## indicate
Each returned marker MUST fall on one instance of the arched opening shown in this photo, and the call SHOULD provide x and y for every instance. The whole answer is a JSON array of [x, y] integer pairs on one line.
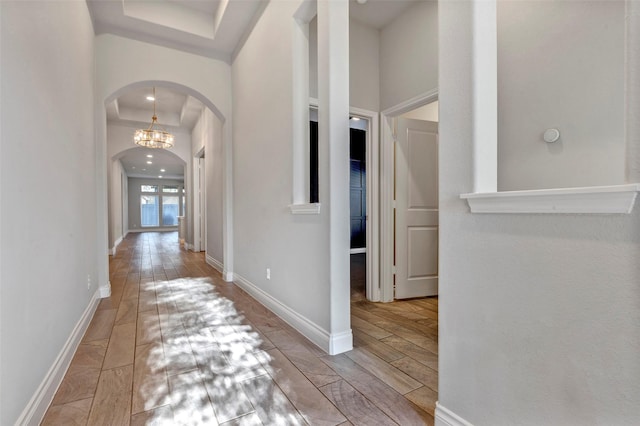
[[133, 210], [206, 132]]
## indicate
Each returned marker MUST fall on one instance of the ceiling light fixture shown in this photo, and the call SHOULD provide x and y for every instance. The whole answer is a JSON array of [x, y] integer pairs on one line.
[[162, 170], [149, 156], [151, 98], [149, 162], [153, 138]]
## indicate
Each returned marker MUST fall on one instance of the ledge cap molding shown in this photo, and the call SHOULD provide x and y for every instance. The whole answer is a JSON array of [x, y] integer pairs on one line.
[[615, 199], [312, 208]]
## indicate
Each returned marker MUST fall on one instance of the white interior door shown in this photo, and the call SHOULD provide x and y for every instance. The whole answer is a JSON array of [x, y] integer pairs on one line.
[[416, 190]]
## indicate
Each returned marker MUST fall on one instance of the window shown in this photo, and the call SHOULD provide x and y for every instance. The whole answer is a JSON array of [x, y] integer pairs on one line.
[[149, 213], [161, 201], [170, 211]]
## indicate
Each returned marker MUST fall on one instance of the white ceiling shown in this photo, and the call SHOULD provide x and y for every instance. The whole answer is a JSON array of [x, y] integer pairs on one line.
[[175, 111], [135, 164], [212, 28]]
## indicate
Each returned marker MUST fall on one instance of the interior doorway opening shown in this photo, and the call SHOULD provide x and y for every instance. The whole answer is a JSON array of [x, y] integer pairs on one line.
[[199, 203], [358, 134], [175, 181], [416, 206], [409, 164], [364, 188]]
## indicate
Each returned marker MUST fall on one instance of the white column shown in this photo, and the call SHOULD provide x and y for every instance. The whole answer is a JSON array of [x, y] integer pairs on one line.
[[485, 96], [227, 201], [333, 115], [102, 222], [632, 90], [300, 119]]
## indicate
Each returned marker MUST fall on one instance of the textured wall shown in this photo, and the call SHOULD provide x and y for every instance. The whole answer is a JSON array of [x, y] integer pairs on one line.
[[539, 314], [409, 54], [560, 65], [48, 190], [267, 235]]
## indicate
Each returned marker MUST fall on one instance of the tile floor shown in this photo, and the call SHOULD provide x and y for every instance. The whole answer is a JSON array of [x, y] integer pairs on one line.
[[174, 344]]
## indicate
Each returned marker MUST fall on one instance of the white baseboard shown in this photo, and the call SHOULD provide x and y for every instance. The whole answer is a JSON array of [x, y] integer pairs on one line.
[[105, 291], [115, 246], [340, 342], [228, 276], [37, 407], [358, 250], [446, 417], [214, 263], [332, 344]]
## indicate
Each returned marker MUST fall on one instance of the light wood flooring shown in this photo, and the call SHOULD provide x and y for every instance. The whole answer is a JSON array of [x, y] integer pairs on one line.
[[174, 344]]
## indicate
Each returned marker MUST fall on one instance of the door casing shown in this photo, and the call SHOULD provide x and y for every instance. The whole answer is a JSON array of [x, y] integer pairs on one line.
[[387, 196]]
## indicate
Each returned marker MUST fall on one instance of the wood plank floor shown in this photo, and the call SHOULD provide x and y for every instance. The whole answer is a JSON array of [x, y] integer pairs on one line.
[[174, 344]]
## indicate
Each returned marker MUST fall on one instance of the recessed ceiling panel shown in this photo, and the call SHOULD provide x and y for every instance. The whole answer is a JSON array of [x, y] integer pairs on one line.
[[135, 163]]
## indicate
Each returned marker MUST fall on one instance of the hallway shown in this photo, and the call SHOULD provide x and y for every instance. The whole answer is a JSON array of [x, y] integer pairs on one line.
[[174, 344]]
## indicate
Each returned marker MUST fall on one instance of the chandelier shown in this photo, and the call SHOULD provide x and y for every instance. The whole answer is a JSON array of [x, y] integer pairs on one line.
[[153, 137]]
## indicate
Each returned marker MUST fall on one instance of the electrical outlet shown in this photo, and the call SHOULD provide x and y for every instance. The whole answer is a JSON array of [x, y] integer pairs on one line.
[[268, 273], [88, 282]]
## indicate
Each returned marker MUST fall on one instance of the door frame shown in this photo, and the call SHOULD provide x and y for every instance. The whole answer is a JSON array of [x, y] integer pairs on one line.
[[198, 196], [373, 189], [372, 221], [387, 188]]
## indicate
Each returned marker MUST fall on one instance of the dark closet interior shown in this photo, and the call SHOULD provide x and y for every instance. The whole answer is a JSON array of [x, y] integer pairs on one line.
[[357, 185]]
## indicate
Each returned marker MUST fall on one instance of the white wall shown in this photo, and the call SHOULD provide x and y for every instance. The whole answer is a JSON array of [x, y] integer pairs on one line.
[[560, 65], [48, 189], [296, 248], [207, 134], [409, 54], [214, 186], [313, 57], [364, 58], [118, 222], [539, 318]]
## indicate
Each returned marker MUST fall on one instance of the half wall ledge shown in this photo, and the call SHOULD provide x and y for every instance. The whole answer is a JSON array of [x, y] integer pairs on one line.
[[311, 208], [615, 199]]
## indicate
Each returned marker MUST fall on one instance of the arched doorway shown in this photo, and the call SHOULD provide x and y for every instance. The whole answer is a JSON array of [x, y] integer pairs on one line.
[[107, 155], [128, 172]]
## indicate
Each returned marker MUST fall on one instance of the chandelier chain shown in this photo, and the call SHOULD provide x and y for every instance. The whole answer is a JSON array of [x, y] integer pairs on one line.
[[153, 138]]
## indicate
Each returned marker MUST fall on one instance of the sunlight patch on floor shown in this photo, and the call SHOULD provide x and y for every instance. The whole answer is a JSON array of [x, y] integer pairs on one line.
[[211, 357]]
